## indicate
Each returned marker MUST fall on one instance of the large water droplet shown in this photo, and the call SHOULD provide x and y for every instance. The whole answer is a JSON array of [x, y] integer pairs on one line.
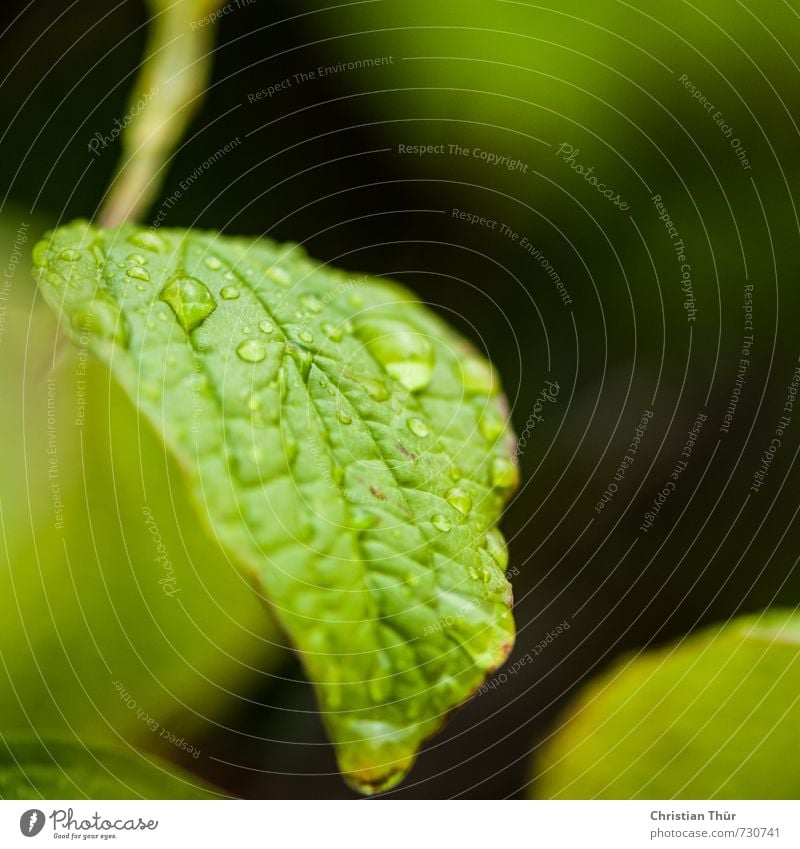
[[278, 274], [441, 523], [504, 474], [491, 425], [344, 417], [460, 499], [138, 273], [137, 259], [331, 331], [418, 427], [148, 241], [251, 351], [406, 355], [229, 293], [266, 326], [478, 376], [190, 300], [495, 545]]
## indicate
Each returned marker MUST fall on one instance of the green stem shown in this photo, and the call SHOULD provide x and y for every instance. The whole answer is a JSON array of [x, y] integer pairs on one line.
[[168, 92]]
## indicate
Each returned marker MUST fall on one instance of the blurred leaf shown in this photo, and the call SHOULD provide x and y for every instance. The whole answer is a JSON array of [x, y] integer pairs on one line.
[[345, 445], [714, 716], [32, 768], [110, 595]]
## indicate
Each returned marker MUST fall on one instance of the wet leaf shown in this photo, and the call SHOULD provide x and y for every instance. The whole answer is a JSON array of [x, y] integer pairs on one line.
[[332, 432]]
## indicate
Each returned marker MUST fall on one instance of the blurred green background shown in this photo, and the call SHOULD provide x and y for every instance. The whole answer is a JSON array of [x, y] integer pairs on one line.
[[652, 97]]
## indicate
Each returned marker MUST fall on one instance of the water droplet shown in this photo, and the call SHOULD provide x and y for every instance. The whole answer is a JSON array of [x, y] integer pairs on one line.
[[213, 263], [137, 259], [229, 275], [455, 473], [406, 355], [331, 331], [305, 336], [460, 499], [495, 545], [229, 293], [147, 241], [491, 426], [486, 575], [504, 473], [70, 255], [375, 389], [418, 427], [279, 275], [251, 351], [473, 573], [344, 417], [311, 303], [477, 376], [189, 299], [266, 326], [139, 273], [441, 523]]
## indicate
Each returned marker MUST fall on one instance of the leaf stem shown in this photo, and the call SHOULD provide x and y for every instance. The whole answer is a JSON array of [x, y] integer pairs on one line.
[[168, 92]]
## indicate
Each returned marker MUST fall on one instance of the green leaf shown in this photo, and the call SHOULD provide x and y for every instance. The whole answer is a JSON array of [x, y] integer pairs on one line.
[[34, 768], [714, 716], [347, 448]]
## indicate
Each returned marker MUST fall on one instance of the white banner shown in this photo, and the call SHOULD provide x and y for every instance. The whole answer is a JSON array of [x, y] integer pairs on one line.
[[402, 824]]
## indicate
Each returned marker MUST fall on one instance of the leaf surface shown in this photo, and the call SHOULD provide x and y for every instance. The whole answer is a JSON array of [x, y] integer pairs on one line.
[[347, 447], [715, 716]]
